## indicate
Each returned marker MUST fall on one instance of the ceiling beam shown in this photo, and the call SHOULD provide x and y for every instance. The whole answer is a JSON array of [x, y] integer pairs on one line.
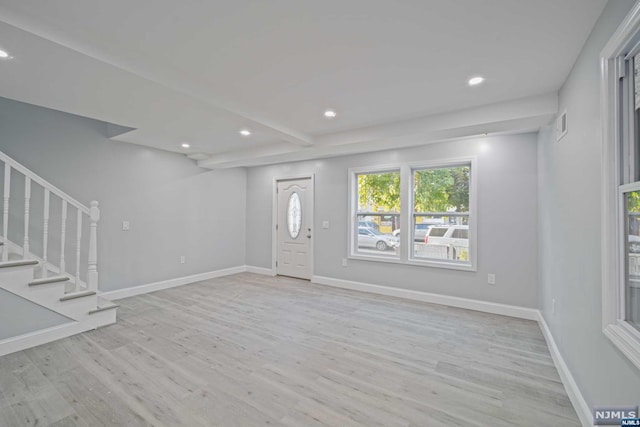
[[522, 115]]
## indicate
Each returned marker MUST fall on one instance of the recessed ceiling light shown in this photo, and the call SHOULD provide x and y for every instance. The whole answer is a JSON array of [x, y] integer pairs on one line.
[[245, 132], [185, 145], [474, 81], [330, 114], [4, 54]]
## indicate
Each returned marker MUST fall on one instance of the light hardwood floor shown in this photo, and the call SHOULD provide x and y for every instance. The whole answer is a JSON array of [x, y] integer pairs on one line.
[[249, 350]]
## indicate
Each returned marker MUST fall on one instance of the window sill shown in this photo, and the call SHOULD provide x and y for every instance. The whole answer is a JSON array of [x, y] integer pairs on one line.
[[450, 265], [381, 258], [626, 339], [415, 262]]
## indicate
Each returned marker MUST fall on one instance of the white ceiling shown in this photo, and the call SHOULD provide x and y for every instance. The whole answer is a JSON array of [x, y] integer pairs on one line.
[[198, 71]]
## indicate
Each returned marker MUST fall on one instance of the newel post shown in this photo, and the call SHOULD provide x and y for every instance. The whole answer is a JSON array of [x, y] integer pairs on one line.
[[92, 273]]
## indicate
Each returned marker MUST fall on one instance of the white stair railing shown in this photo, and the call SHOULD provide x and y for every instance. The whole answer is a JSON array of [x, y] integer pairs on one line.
[[67, 202]]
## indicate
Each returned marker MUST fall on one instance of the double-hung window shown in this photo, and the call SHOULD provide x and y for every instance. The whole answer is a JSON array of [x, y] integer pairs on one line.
[[421, 214], [376, 220], [620, 65], [440, 218]]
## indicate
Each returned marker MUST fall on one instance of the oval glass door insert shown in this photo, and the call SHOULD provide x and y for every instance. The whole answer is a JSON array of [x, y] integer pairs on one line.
[[294, 215]]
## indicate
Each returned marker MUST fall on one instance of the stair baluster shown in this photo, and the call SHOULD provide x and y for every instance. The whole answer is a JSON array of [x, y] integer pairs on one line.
[[78, 241], [63, 237], [45, 235], [5, 216], [92, 272], [27, 203]]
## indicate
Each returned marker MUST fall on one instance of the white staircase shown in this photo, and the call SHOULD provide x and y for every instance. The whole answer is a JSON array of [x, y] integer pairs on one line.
[[53, 267]]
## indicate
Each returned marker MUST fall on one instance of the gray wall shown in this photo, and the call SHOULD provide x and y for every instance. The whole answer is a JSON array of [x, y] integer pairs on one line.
[[19, 316], [175, 208], [507, 218], [570, 223]]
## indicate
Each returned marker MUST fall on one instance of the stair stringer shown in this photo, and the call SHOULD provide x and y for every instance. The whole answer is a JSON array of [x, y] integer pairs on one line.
[[85, 313], [16, 279]]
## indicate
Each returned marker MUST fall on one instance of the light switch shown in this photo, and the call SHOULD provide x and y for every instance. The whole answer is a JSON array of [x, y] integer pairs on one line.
[[126, 226], [325, 224]]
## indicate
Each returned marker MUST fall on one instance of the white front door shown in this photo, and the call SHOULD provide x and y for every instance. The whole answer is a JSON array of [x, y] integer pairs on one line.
[[293, 228]]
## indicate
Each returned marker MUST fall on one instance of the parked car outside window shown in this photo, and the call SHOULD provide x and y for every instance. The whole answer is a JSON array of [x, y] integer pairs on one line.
[[419, 232], [456, 237], [370, 238], [448, 235]]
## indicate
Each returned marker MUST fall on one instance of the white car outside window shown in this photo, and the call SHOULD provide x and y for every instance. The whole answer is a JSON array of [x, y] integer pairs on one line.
[[370, 238], [456, 235]]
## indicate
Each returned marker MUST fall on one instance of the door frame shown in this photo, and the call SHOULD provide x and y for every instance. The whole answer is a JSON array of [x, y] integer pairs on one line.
[[274, 218]]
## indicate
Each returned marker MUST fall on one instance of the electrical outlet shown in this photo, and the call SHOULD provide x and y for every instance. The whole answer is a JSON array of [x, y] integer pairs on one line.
[[126, 226], [553, 306], [491, 279], [344, 262], [325, 224], [183, 259]]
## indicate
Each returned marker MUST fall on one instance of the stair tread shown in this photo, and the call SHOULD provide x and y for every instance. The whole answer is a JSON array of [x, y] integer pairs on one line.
[[18, 263], [104, 306], [75, 295], [51, 279]]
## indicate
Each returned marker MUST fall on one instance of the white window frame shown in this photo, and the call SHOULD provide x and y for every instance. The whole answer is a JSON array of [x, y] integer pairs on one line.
[[624, 336], [406, 213], [473, 235], [353, 211]]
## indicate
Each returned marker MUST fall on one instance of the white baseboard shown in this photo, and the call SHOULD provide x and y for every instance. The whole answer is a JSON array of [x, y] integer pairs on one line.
[[470, 304], [570, 385], [44, 336], [260, 270], [171, 283]]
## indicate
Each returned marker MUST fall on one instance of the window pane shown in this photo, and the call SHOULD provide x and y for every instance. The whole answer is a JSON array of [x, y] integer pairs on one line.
[[378, 214], [461, 233], [438, 232], [634, 137], [441, 201], [633, 258], [294, 216]]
